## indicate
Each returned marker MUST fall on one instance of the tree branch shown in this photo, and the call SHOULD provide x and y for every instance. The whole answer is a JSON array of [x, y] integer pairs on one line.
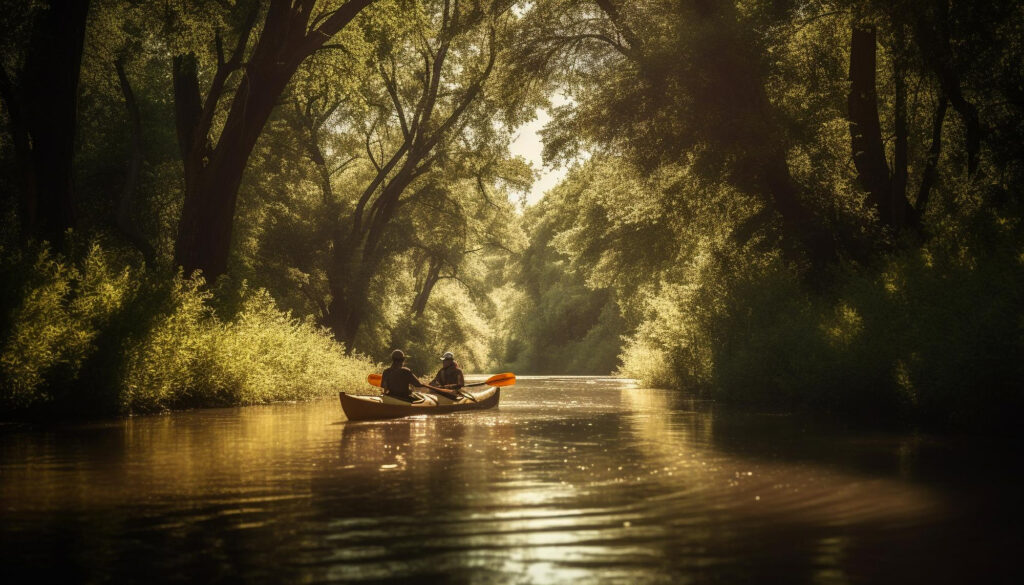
[[332, 22], [931, 166], [124, 206], [391, 84], [609, 8], [224, 70], [564, 40], [369, 148]]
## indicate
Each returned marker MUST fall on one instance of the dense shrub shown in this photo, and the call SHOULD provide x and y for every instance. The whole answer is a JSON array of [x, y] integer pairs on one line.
[[52, 332], [97, 334], [934, 335]]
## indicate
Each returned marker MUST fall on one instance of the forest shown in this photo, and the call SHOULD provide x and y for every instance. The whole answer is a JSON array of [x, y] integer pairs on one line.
[[782, 205]]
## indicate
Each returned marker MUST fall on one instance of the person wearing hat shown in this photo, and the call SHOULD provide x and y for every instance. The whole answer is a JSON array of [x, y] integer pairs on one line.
[[450, 375], [398, 379]]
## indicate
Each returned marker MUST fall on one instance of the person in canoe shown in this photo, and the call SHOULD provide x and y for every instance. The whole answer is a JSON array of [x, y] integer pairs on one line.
[[398, 380], [450, 375]]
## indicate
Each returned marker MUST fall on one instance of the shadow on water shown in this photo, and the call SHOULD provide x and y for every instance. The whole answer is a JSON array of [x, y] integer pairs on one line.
[[845, 506], [570, 480]]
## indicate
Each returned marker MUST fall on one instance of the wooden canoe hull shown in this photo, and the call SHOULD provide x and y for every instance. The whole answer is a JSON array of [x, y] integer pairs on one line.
[[379, 408]]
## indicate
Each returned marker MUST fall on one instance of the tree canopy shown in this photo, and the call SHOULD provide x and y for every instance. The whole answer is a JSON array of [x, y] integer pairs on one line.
[[786, 203]]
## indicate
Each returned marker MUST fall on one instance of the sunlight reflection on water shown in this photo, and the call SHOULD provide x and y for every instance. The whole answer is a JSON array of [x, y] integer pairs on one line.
[[570, 480]]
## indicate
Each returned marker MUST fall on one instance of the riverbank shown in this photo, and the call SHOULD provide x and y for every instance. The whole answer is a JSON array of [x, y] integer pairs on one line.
[[97, 334], [930, 338]]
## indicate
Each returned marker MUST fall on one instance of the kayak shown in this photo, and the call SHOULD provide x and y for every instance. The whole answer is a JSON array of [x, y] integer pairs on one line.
[[384, 407]]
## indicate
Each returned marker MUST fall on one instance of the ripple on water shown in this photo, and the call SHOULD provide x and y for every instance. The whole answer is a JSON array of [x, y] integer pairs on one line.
[[577, 480]]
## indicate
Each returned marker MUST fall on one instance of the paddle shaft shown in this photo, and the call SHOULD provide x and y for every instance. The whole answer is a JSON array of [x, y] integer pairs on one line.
[[454, 395], [506, 379], [499, 380]]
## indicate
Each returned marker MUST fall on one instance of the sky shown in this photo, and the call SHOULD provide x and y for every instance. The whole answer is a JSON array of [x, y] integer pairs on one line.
[[528, 145]]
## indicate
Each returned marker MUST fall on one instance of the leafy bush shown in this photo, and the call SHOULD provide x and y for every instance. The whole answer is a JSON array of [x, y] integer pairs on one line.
[[669, 348], [933, 335], [97, 335], [51, 333]]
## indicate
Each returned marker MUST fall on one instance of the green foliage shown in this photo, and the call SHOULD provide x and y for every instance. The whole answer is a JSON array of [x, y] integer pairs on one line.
[[720, 136], [339, 234], [717, 232], [934, 336], [551, 320], [95, 332], [192, 358], [51, 333], [452, 322], [569, 329]]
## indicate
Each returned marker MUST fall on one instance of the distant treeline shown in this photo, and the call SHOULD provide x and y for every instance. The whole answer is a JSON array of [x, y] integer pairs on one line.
[[783, 204]]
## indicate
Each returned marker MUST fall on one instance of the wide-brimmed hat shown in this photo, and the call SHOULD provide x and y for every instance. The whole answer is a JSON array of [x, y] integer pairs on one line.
[[448, 356]]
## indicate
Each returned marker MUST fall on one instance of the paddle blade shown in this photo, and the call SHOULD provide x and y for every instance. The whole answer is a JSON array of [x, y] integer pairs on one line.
[[506, 379], [374, 379]]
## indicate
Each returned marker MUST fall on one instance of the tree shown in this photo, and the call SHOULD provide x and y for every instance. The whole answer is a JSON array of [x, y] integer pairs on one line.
[[886, 189], [685, 81], [291, 32], [425, 84], [41, 105]]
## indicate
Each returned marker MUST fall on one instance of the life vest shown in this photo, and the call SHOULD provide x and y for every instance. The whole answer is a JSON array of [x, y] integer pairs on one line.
[[449, 375], [396, 380]]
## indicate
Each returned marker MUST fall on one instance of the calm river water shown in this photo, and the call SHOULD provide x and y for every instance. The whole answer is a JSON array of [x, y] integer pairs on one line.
[[570, 480]]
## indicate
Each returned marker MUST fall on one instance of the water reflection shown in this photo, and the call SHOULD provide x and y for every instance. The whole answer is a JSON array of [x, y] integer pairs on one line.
[[571, 479], [679, 443], [778, 519]]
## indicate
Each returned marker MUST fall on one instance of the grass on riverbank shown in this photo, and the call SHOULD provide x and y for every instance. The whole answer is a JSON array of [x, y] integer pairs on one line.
[[96, 334]]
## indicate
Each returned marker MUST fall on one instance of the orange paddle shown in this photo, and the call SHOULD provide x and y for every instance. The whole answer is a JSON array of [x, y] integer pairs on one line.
[[499, 380]]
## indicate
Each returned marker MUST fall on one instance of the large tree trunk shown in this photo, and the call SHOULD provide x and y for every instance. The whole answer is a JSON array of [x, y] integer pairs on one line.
[[350, 290], [358, 253], [356, 261], [865, 128], [207, 217], [42, 105], [214, 174], [887, 189], [358, 257]]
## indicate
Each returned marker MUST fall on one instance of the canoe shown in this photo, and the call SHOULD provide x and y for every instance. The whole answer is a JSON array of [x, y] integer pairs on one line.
[[384, 407]]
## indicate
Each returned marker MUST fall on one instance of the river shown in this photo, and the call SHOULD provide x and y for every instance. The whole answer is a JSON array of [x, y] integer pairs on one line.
[[570, 480]]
